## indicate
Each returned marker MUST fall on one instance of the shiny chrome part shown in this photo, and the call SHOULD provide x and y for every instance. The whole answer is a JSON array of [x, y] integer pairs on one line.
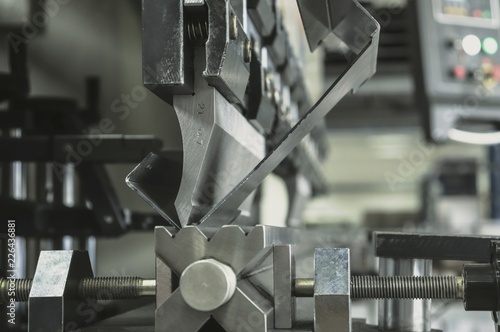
[[91, 247], [68, 198], [405, 315], [147, 287], [240, 8], [303, 287], [249, 255], [188, 3], [18, 174], [233, 27], [69, 185], [207, 284], [332, 286], [247, 51]]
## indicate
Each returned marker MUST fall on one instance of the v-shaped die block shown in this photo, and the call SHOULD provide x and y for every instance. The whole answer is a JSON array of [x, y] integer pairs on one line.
[[246, 251]]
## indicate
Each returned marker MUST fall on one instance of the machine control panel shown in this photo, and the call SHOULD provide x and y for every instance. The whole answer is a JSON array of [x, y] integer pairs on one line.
[[459, 57], [469, 46]]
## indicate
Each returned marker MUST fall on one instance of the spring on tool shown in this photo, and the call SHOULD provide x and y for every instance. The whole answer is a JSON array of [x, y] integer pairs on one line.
[[197, 30]]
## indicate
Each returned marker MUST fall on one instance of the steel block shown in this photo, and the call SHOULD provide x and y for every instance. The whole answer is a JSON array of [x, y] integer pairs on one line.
[[332, 301], [53, 300]]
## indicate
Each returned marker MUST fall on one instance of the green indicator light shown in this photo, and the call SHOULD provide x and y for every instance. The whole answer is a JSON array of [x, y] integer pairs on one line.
[[486, 14], [490, 46]]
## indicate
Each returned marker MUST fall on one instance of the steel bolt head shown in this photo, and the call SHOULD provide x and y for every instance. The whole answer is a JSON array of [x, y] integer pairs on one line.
[[233, 27], [207, 284], [247, 51]]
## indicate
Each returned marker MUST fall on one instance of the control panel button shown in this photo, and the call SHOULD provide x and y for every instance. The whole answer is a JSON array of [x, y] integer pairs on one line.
[[477, 13], [490, 46], [459, 72], [471, 44], [496, 73]]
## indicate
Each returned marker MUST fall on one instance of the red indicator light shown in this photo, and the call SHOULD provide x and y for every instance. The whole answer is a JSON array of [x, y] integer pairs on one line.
[[496, 73], [460, 72]]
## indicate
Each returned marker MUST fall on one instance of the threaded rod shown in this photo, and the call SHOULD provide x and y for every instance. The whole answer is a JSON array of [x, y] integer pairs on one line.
[[115, 288], [20, 288], [401, 287], [107, 288], [362, 287], [398, 287]]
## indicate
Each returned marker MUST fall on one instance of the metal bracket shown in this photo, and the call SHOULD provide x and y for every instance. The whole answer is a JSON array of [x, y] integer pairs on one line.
[[332, 287], [248, 253], [284, 277], [53, 300]]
